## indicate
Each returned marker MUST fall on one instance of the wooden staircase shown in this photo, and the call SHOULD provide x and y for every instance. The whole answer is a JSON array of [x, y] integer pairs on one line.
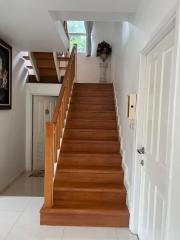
[[87, 188]]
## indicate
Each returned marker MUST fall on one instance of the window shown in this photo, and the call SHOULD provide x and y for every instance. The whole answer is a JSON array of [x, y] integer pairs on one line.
[[77, 34]]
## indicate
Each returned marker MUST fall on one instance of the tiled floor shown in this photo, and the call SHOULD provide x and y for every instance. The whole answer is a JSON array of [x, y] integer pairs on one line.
[[25, 186], [19, 218]]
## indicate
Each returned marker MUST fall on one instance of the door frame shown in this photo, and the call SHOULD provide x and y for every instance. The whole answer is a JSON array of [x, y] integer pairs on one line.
[[169, 23], [37, 89]]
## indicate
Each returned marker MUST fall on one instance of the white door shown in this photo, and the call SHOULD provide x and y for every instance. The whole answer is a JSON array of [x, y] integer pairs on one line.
[[157, 130], [43, 109]]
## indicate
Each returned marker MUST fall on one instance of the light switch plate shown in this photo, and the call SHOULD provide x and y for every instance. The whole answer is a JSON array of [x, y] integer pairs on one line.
[[132, 100]]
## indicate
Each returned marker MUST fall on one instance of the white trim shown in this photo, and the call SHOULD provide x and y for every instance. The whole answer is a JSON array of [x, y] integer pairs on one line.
[[57, 65], [172, 229], [33, 62], [41, 90], [123, 153], [77, 34], [164, 28]]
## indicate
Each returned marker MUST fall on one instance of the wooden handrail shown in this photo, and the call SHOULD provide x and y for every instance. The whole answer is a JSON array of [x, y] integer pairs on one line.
[[54, 129]]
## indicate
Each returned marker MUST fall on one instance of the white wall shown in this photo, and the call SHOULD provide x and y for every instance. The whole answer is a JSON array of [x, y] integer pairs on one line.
[[88, 67], [12, 127], [130, 39]]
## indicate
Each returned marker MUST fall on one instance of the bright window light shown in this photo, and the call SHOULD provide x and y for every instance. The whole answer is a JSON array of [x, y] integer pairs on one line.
[[77, 34]]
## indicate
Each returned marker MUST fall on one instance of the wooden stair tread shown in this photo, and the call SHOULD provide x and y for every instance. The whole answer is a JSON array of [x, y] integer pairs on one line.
[[88, 186], [91, 124], [89, 169], [92, 115], [91, 134], [89, 156], [91, 107], [93, 86], [88, 142], [93, 100], [90, 146], [90, 159]]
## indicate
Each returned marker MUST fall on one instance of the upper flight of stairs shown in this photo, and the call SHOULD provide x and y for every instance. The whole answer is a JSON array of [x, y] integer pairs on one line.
[[89, 183], [46, 67]]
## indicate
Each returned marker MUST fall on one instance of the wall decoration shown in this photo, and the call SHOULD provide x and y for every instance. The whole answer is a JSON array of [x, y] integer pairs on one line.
[[104, 50], [5, 75]]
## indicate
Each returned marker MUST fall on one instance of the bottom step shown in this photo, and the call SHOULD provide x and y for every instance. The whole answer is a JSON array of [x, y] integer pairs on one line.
[[79, 216]]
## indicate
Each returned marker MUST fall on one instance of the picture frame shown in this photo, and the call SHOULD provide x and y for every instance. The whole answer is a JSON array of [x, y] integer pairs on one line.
[[5, 76]]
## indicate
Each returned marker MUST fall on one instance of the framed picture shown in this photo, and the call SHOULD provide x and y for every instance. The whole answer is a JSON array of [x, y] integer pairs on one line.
[[5, 75]]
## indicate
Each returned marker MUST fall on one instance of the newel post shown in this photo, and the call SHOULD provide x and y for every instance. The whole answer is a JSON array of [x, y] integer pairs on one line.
[[49, 165]]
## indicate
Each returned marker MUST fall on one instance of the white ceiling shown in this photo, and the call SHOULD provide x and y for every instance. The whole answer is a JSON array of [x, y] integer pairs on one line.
[[32, 24]]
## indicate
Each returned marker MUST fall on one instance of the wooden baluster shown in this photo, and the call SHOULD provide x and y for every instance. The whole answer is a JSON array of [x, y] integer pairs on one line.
[[58, 131], [63, 115], [60, 123], [54, 130], [49, 165]]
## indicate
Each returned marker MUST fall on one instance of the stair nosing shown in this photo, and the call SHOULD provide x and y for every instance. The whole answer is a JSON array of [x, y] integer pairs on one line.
[[72, 210]]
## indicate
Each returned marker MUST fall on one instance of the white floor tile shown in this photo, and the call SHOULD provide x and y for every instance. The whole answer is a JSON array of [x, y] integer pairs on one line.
[[7, 220], [20, 218], [85, 233], [13, 203], [25, 186], [34, 232], [125, 234]]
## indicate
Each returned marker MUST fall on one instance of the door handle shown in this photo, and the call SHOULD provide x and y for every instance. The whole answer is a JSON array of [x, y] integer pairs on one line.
[[141, 150]]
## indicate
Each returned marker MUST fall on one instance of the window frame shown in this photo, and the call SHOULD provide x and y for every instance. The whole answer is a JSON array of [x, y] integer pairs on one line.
[[79, 34]]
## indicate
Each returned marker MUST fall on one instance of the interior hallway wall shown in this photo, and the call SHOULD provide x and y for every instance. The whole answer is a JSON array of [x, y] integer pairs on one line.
[[12, 126], [88, 67], [129, 39]]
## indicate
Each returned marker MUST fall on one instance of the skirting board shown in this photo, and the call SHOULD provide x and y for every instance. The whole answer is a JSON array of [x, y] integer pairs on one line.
[[123, 153], [3, 187]]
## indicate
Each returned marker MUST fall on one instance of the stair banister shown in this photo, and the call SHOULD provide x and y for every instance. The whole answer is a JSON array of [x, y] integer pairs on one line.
[[54, 129]]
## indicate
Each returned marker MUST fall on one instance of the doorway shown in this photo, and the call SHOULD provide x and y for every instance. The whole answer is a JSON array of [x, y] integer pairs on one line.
[[43, 109], [155, 115]]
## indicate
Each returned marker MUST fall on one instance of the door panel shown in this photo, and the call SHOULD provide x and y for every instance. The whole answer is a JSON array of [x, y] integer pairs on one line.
[[157, 130], [43, 109]]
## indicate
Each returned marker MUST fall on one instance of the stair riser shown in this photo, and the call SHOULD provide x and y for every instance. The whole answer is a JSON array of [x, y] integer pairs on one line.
[[47, 72], [45, 63], [90, 162], [94, 87], [92, 115], [85, 124], [90, 177], [92, 100], [91, 135], [92, 94], [84, 220], [44, 55], [119, 197], [90, 148], [88, 107]]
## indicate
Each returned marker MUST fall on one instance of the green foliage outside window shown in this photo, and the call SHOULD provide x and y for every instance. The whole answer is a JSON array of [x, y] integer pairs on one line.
[[77, 35], [80, 41]]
